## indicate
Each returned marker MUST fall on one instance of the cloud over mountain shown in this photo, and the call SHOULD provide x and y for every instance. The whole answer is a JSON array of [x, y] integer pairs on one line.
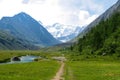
[[68, 12]]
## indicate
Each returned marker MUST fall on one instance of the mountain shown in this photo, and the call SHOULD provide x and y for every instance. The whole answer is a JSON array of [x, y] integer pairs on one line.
[[102, 36], [25, 27], [107, 14], [64, 33], [10, 42]]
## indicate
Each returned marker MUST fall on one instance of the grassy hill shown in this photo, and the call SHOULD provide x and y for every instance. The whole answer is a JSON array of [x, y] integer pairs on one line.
[[7, 41]]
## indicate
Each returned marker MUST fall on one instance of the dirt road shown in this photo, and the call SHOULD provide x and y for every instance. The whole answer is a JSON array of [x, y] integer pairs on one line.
[[60, 72]]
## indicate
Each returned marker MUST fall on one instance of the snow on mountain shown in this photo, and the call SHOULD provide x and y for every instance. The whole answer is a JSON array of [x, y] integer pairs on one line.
[[64, 33]]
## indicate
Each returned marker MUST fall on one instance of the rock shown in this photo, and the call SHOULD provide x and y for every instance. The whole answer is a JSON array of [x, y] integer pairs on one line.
[[15, 59], [103, 54]]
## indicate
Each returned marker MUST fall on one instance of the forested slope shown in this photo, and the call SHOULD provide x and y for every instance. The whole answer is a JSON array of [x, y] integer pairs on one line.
[[103, 39]]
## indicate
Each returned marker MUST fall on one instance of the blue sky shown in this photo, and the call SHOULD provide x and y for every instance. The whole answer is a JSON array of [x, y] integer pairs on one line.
[[68, 12]]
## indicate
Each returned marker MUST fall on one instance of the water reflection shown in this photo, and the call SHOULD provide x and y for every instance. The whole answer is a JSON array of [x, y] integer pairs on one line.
[[28, 58], [23, 59]]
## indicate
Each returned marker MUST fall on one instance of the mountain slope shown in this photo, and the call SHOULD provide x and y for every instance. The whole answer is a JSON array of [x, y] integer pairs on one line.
[[114, 9], [104, 37], [24, 26], [64, 33], [7, 41]]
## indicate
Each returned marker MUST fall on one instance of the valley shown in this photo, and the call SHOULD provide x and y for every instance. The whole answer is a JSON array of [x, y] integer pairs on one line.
[[60, 52], [74, 68]]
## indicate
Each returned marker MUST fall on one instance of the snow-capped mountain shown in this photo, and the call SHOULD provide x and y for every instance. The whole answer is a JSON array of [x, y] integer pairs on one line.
[[64, 33]]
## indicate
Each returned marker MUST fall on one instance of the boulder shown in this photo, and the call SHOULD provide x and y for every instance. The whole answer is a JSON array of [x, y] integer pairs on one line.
[[15, 59]]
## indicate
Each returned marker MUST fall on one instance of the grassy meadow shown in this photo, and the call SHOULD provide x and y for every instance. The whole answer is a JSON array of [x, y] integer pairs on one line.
[[41, 70], [5, 55], [92, 70], [77, 67]]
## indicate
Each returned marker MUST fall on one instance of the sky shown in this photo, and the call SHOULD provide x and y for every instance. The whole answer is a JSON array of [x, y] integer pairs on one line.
[[67, 12]]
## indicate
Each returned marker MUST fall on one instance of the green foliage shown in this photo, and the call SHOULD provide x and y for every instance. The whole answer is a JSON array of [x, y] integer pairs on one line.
[[103, 38]]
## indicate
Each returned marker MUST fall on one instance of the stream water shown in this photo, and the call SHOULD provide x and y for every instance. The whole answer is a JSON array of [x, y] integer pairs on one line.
[[23, 59]]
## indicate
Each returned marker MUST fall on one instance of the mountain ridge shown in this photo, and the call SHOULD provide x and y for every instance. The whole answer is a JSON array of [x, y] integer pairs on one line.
[[104, 16], [103, 38], [24, 26], [64, 33]]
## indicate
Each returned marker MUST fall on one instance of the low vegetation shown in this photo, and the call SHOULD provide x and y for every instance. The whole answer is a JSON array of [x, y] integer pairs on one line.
[[77, 66], [41, 70], [92, 70]]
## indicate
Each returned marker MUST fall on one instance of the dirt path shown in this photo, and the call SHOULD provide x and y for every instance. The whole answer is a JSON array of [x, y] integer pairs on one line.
[[59, 74]]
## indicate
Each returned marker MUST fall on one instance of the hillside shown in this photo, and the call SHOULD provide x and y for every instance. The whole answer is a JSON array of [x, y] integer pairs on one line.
[[7, 41], [102, 36], [103, 39], [106, 15]]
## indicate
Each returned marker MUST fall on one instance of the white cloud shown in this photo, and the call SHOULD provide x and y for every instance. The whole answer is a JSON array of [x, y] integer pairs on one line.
[[1, 0], [68, 12], [83, 15], [85, 18], [91, 18], [33, 1], [25, 1], [75, 5], [8, 8]]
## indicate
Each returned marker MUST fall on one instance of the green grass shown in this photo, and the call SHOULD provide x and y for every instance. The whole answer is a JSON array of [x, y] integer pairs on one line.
[[78, 67], [92, 70], [42, 70], [5, 55]]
